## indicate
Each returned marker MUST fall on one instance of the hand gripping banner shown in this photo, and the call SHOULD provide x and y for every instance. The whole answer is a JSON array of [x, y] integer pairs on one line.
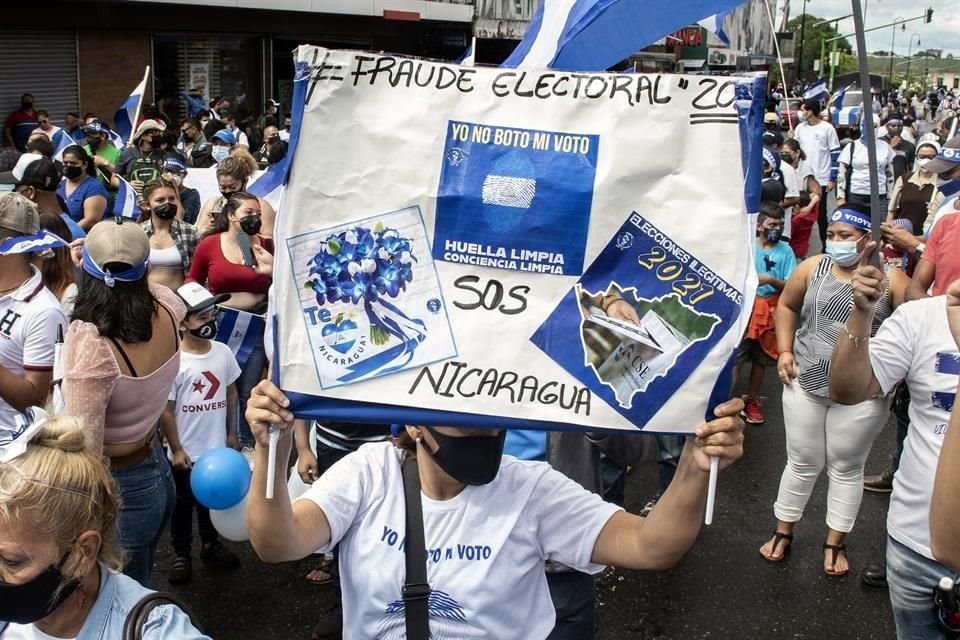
[[472, 246]]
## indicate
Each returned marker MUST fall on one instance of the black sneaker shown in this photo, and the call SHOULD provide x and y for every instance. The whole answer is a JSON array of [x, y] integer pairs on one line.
[[218, 555], [180, 570], [330, 625]]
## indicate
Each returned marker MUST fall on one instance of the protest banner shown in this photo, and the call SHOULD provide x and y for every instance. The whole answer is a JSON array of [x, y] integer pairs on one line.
[[513, 248]]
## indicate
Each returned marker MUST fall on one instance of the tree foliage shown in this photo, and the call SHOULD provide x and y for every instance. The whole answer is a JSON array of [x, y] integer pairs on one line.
[[813, 36]]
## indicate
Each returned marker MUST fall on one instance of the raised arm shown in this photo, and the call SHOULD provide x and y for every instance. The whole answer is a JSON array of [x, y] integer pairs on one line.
[[661, 539]]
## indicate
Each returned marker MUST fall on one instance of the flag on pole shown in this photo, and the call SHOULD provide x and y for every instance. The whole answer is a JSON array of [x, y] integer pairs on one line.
[[817, 90], [125, 204], [241, 331], [125, 119], [594, 35], [65, 141], [115, 139], [469, 57], [714, 24]]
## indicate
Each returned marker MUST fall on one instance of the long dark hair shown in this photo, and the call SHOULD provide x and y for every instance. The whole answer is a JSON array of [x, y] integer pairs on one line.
[[58, 271], [124, 312], [221, 221]]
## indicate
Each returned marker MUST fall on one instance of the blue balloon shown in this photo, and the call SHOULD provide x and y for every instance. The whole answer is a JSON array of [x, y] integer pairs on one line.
[[220, 478]]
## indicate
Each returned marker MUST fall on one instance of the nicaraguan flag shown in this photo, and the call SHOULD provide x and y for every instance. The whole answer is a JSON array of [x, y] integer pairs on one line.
[[594, 35], [125, 204], [817, 90], [469, 56], [115, 139], [241, 331], [65, 141], [838, 100], [124, 118], [31, 244], [714, 24]]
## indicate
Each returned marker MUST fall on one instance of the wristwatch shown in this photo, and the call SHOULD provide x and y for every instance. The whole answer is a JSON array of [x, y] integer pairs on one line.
[[919, 248]]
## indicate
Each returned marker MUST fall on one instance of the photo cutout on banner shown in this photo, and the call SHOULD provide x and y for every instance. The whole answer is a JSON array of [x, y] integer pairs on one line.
[[513, 248]]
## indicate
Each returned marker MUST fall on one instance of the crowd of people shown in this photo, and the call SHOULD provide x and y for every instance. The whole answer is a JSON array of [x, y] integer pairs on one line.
[[857, 332]]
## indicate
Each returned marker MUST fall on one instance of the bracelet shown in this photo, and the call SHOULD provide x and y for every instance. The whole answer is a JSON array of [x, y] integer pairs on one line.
[[857, 340], [607, 300]]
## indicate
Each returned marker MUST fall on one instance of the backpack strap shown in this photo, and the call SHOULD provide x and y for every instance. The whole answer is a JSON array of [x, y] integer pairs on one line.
[[416, 590], [133, 625]]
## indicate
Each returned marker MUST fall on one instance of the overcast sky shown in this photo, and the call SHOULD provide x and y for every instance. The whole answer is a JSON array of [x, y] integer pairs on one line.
[[942, 33]]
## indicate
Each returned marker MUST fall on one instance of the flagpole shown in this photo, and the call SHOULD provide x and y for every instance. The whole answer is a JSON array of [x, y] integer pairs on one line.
[[136, 115], [776, 46], [871, 135]]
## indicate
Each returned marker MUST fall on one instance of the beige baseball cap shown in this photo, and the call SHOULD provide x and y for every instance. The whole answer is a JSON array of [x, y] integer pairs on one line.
[[18, 213], [117, 241]]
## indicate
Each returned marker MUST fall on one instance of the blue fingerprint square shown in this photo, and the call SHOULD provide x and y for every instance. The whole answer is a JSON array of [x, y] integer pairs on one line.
[[512, 198]]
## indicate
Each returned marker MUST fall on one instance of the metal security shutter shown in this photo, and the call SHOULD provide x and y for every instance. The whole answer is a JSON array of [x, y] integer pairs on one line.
[[43, 63]]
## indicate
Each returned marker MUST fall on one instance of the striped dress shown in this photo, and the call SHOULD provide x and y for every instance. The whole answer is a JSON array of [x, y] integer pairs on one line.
[[826, 307]]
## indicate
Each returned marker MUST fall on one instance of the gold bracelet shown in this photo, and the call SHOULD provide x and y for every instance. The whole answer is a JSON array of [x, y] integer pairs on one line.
[[857, 340]]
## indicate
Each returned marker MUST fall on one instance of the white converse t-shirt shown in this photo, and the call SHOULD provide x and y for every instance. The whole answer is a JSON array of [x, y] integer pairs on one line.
[[486, 547], [915, 344]]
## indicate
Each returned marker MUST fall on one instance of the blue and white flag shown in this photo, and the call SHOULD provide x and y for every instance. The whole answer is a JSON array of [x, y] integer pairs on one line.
[[241, 331], [65, 141], [115, 139], [125, 204], [594, 35], [125, 119], [714, 24], [31, 244], [469, 57], [838, 99], [817, 90]]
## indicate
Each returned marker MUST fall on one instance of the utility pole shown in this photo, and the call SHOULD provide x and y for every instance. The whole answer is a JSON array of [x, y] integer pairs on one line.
[[909, 50], [803, 24], [893, 39]]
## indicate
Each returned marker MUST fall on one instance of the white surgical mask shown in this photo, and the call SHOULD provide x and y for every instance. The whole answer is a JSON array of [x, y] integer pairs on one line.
[[844, 254], [175, 179], [220, 152], [922, 163]]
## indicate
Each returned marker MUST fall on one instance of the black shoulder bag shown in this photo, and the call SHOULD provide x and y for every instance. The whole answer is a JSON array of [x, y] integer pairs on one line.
[[133, 626], [416, 591]]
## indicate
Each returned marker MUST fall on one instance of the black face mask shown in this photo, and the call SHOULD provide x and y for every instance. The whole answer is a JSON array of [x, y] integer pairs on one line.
[[473, 460], [250, 225], [72, 173], [772, 235], [206, 331], [165, 211], [34, 600], [26, 106]]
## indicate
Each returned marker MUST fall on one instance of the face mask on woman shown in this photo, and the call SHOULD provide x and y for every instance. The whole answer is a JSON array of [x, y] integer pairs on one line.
[[843, 252], [175, 179], [472, 460], [220, 152], [250, 224], [165, 211], [72, 173], [922, 163], [34, 600]]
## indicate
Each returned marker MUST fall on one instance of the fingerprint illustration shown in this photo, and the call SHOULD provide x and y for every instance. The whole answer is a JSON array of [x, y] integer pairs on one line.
[[508, 191]]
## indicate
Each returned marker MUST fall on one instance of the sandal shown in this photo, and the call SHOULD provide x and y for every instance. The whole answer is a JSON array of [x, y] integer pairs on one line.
[[836, 550], [778, 537], [321, 572]]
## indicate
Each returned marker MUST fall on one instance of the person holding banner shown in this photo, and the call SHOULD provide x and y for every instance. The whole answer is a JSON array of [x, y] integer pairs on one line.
[[234, 258], [172, 241], [85, 197], [121, 355], [813, 308], [490, 522]]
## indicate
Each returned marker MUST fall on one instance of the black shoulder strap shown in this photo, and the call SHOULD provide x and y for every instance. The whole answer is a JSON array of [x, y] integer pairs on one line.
[[416, 591], [123, 354], [133, 625]]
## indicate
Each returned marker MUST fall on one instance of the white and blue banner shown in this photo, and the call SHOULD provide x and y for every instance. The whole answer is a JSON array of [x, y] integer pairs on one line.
[[514, 248], [239, 330], [41, 241]]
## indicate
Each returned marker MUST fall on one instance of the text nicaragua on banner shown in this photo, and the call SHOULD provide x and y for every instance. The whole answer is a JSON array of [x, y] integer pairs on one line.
[[479, 246]]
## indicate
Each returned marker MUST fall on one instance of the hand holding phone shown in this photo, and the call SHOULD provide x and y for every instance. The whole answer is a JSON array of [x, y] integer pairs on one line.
[[245, 249]]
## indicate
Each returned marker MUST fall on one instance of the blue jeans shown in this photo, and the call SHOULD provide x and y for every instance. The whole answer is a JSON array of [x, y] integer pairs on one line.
[[147, 496], [574, 598], [912, 579], [251, 374]]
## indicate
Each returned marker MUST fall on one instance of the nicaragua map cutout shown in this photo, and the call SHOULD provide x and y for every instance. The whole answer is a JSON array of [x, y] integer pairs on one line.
[[515, 198], [645, 308]]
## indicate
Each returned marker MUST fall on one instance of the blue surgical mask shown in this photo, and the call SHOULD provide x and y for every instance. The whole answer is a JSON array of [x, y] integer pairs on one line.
[[844, 254], [220, 152]]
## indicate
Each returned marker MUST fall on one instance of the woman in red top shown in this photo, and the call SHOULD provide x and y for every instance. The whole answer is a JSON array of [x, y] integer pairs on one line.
[[220, 265]]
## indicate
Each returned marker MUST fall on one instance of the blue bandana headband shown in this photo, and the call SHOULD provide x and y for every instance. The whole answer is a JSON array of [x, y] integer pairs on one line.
[[894, 122], [36, 243], [773, 160], [130, 275], [852, 218]]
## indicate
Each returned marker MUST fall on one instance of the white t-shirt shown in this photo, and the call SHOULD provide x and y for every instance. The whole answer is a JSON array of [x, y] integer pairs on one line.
[[200, 396], [486, 546], [860, 176], [915, 344], [16, 631], [791, 181], [29, 318], [817, 141]]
